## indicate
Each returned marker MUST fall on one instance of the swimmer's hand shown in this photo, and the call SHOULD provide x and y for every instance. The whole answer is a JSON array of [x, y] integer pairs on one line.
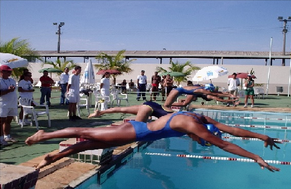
[[263, 165], [272, 142]]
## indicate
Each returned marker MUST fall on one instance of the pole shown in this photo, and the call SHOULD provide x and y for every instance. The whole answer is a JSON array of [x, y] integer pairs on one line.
[[269, 69], [59, 38], [289, 83]]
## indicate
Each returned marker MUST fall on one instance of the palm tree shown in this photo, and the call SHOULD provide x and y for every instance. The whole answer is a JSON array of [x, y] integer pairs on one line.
[[185, 68], [114, 63], [20, 48], [61, 65]]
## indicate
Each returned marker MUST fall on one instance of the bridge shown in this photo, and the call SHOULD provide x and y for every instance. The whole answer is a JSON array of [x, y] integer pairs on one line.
[[215, 55]]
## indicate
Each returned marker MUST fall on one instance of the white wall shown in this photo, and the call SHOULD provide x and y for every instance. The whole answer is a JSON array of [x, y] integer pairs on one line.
[[279, 75]]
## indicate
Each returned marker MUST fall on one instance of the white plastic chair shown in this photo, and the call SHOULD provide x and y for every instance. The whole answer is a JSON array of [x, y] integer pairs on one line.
[[83, 102], [259, 92], [116, 96], [101, 102], [33, 111]]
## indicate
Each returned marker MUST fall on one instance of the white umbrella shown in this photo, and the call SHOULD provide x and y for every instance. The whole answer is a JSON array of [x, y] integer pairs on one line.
[[89, 74], [209, 72], [12, 60]]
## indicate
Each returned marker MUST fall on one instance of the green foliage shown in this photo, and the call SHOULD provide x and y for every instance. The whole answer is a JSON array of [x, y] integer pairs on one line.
[[20, 48], [117, 62], [58, 64], [186, 68]]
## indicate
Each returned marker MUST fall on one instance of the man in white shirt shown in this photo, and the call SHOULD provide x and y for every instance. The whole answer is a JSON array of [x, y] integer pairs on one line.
[[233, 84], [8, 104], [64, 78], [141, 85], [73, 93]]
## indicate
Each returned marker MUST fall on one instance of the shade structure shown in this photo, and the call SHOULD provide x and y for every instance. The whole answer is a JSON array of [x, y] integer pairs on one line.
[[88, 77], [209, 72], [115, 72], [12, 60], [242, 76], [50, 70], [174, 74]]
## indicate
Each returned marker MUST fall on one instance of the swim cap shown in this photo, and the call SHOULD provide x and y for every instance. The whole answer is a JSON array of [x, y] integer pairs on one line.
[[214, 130], [209, 87]]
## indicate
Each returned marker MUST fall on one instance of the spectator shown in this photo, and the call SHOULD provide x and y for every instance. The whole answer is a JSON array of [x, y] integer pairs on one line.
[[123, 86], [73, 93], [131, 84], [163, 87], [156, 80], [168, 84], [105, 85], [22, 76], [46, 88], [64, 78], [25, 90], [233, 84], [8, 104], [141, 85], [249, 91]]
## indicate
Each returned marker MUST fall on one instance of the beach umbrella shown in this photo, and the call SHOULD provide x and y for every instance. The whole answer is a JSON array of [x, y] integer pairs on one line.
[[173, 74], [12, 60], [242, 76], [111, 71], [209, 72], [88, 76]]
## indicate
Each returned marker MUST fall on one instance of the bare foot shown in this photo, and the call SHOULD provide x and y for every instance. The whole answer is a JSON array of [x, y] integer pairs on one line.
[[34, 138], [46, 161], [236, 103], [97, 113]]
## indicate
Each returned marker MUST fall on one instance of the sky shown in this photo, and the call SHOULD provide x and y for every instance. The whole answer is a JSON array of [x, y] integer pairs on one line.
[[232, 25]]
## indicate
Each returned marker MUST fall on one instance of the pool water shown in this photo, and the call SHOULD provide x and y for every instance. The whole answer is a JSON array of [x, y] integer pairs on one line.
[[158, 165]]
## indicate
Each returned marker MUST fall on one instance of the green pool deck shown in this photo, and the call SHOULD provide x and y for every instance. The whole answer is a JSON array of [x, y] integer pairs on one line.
[[19, 153]]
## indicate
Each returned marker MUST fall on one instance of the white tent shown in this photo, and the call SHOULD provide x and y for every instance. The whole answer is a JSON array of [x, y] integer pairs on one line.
[[12, 60], [89, 76]]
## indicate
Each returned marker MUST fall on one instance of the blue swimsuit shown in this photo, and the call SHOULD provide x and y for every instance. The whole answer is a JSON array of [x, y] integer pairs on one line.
[[181, 90], [144, 134], [157, 110]]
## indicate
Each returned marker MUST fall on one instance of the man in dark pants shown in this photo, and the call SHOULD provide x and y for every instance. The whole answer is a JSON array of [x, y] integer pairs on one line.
[[141, 85], [64, 78]]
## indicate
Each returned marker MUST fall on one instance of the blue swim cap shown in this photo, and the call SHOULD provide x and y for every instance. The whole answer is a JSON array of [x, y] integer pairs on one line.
[[214, 130], [209, 87]]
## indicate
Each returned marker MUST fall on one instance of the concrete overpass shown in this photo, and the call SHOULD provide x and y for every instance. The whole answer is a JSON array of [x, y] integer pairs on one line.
[[215, 55]]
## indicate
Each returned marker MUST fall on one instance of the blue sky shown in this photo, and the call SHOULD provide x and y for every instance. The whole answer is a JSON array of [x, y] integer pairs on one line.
[[147, 25]]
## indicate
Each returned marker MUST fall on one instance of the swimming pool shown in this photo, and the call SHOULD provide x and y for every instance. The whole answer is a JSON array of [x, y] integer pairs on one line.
[[160, 165]]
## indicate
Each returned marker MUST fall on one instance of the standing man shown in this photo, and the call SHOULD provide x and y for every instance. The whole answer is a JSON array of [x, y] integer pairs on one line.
[[64, 78], [233, 84], [141, 85], [156, 80], [8, 104], [73, 92], [46, 88]]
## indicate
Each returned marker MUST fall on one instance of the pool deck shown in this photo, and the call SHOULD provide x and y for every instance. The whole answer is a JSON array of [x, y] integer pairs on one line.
[[68, 172]]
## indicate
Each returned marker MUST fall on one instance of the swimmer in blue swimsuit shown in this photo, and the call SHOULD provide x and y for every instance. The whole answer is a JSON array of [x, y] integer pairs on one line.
[[170, 125], [142, 111], [208, 89]]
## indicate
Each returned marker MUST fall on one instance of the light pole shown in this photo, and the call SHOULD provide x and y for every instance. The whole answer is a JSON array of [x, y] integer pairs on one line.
[[59, 34], [285, 30]]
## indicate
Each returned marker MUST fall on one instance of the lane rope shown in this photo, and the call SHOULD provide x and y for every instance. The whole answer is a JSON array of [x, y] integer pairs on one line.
[[245, 117], [254, 139], [260, 126], [218, 158]]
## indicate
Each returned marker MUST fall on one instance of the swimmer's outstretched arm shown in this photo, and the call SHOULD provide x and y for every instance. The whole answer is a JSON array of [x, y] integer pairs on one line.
[[268, 141], [232, 148]]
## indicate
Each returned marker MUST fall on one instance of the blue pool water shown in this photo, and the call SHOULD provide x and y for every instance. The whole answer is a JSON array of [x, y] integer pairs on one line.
[[147, 169]]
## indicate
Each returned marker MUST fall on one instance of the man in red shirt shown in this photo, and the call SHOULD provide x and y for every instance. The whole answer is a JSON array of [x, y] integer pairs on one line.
[[46, 88]]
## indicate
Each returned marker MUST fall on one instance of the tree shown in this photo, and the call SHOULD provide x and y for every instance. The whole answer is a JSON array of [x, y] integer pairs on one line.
[[186, 68], [20, 48], [117, 62], [61, 65]]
